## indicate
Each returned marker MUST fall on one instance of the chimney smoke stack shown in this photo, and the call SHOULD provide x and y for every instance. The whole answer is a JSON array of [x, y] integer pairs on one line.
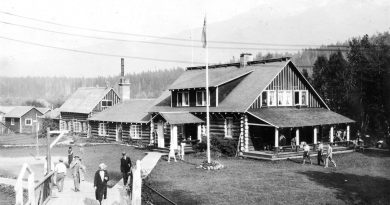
[[124, 84], [244, 59]]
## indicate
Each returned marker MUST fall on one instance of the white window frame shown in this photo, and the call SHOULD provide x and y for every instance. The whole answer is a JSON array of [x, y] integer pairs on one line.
[[12, 121], [183, 93], [135, 131], [77, 126], [102, 131], [203, 94], [306, 99], [288, 98], [28, 124], [228, 127], [300, 97], [106, 101], [274, 103], [280, 97]]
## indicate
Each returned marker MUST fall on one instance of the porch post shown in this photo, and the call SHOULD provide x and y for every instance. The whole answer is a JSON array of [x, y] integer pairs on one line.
[[315, 135], [116, 132], [276, 138], [331, 133], [199, 133], [297, 137], [347, 133], [242, 134], [174, 136], [151, 132], [246, 133]]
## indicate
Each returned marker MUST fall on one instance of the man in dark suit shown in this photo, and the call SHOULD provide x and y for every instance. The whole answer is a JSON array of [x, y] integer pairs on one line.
[[125, 167], [100, 183]]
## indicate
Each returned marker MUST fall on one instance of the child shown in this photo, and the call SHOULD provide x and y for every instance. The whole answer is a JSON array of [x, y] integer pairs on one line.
[[171, 154]]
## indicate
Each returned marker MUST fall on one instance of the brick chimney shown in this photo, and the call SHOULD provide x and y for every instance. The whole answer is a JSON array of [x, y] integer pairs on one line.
[[124, 84], [244, 59]]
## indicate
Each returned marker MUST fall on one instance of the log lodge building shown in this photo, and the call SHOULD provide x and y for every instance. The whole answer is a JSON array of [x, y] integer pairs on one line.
[[261, 104]]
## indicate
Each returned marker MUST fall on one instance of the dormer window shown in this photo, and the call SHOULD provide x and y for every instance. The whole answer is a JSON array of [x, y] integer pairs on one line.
[[106, 103], [200, 98], [183, 99], [271, 98]]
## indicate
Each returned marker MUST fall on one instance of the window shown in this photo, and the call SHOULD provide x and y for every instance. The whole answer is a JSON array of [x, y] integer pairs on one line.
[[102, 129], [288, 98], [135, 131], [28, 121], [272, 98], [264, 98], [280, 97], [12, 121], [304, 97], [296, 98], [201, 98], [76, 127], [106, 103], [182, 99], [228, 127], [301, 97], [62, 125]]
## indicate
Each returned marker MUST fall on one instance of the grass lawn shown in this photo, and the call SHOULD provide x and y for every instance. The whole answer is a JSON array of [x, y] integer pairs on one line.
[[358, 179], [92, 157], [22, 139]]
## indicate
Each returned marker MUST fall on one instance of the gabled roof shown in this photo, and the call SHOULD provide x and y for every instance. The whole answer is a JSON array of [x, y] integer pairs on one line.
[[19, 111], [217, 76], [294, 117], [256, 78], [84, 99], [180, 118], [53, 114], [6, 109], [133, 111], [43, 110]]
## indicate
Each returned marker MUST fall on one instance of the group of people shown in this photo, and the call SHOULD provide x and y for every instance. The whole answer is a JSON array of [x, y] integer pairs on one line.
[[320, 154], [179, 151], [78, 170]]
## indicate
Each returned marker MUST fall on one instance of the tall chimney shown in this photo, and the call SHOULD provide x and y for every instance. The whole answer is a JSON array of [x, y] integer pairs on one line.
[[244, 59], [124, 84]]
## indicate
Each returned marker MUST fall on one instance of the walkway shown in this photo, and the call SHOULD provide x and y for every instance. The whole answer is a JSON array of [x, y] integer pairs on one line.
[[116, 195]]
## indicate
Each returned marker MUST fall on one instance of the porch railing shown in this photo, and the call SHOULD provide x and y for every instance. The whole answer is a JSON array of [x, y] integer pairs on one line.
[[43, 189], [297, 148]]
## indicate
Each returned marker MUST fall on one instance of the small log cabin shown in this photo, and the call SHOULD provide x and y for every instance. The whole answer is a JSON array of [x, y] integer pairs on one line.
[[254, 102], [23, 119], [84, 103], [127, 122]]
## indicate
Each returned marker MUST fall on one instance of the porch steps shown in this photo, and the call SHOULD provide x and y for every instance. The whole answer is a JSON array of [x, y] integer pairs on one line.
[[187, 149], [288, 155]]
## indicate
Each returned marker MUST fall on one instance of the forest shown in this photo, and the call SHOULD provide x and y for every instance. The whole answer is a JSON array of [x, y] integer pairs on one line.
[[353, 78]]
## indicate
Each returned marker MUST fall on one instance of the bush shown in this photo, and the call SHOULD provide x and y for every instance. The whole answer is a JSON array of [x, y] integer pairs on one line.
[[227, 147], [200, 147]]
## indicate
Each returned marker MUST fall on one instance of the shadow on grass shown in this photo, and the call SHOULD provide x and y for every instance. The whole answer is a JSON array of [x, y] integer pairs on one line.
[[353, 189], [177, 196]]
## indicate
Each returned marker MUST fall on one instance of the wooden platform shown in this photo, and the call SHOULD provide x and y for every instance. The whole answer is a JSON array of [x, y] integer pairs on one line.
[[271, 156]]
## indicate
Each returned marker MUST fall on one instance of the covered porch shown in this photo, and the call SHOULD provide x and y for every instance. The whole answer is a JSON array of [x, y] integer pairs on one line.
[[279, 133], [169, 129]]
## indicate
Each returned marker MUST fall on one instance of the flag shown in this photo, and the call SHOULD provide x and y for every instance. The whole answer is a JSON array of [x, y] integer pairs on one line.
[[204, 40]]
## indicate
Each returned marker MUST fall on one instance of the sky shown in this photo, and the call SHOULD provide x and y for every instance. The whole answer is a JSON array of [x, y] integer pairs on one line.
[[147, 17]]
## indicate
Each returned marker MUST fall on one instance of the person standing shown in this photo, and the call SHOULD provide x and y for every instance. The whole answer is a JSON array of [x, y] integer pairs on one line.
[[320, 150], [70, 155], [60, 170], [329, 156], [100, 183], [125, 167], [306, 154], [75, 166], [171, 154]]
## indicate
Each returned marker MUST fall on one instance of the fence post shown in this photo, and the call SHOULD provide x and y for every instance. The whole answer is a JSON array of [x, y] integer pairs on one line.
[[137, 184]]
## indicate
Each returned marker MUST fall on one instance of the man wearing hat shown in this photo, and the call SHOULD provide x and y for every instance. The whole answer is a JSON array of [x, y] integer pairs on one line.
[[125, 167], [100, 183], [60, 170], [76, 166]]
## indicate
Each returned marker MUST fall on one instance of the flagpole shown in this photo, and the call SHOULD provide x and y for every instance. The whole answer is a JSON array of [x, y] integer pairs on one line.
[[207, 101]]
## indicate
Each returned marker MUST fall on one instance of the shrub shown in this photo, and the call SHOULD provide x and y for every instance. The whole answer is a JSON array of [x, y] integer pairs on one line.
[[199, 147], [227, 147]]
